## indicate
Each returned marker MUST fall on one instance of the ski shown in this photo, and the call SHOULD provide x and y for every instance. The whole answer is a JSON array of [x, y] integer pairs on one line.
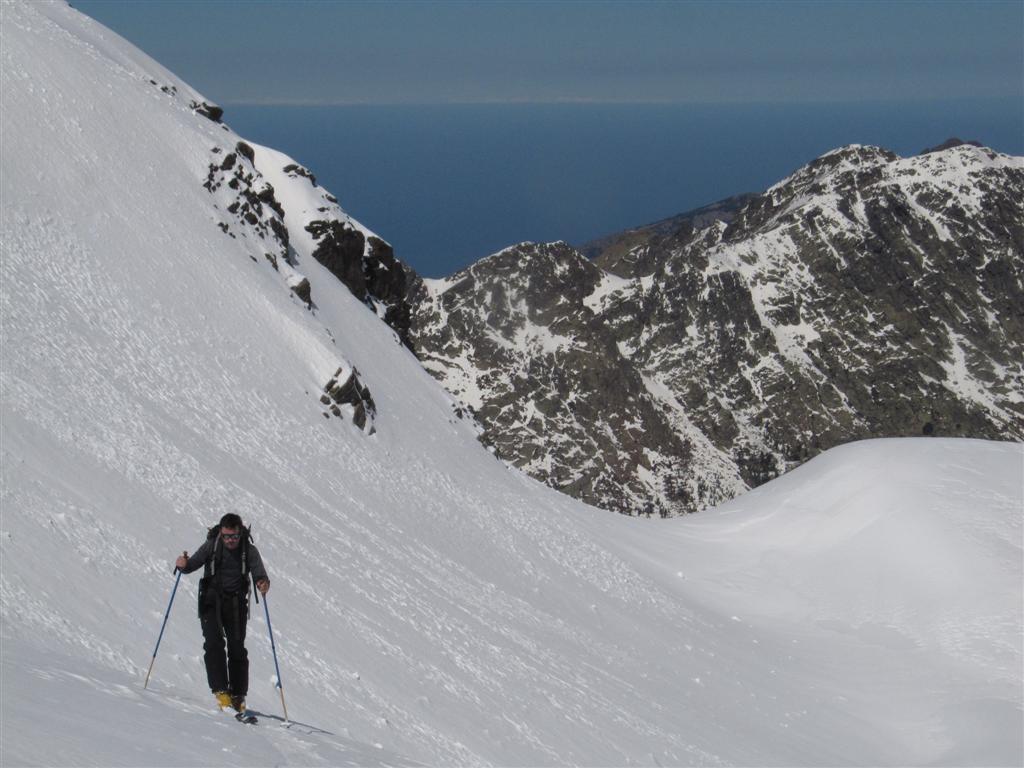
[[246, 717]]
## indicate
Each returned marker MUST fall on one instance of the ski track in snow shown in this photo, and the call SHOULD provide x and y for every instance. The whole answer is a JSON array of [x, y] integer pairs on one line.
[[175, 727], [430, 605]]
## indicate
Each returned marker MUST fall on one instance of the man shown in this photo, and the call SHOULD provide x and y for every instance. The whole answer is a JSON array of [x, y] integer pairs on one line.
[[229, 559]]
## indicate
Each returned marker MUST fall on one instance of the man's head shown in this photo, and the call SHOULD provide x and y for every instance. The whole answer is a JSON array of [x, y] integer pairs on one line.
[[231, 530]]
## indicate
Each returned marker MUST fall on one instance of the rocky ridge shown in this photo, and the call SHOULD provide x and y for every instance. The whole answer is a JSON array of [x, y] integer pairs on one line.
[[866, 295], [515, 338], [622, 244], [275, 204]]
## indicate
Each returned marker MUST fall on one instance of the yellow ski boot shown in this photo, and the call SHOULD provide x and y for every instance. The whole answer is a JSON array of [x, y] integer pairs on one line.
[[223, 699]]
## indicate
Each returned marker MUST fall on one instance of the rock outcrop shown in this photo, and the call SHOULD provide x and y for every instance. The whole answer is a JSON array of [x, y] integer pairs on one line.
[[866, 295], [346, 395], [367, 266]]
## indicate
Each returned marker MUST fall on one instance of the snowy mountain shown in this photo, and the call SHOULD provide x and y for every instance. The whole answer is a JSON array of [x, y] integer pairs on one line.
[[866, 295], [519, 340], [430, 605]]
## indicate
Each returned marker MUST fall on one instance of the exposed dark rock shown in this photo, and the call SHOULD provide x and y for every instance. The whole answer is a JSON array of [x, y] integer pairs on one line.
[[250, 199], [246, 151], [949, 144], [303, 291], [294, 169], [265, 194], [864, 296], [209, 111], [562, 402], [346, 390], [340, 248], [368, 267], [609, 249]]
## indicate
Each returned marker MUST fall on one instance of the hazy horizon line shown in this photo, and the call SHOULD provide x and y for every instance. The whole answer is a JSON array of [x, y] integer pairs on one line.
[[270, 102]]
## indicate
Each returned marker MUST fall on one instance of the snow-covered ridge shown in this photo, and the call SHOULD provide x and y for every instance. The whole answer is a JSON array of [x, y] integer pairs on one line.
[[802, 318], [430, 606], [952, 171], [301, 197]]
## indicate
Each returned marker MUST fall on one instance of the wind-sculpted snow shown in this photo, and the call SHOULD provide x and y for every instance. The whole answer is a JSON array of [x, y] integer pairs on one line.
[[430, 604]]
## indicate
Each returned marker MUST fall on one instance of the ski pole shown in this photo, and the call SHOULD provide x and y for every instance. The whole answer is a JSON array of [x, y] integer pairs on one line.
[[273, 650], [163, 626]]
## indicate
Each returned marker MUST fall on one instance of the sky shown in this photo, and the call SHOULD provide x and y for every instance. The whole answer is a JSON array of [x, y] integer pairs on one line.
[[455, 129], [454, 52]]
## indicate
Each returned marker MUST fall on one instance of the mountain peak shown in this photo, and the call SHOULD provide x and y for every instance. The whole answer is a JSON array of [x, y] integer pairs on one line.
[[159, 369], [529, 266], [528, 252], [807, 320], [950, 144], [857, 152], [852, 158]]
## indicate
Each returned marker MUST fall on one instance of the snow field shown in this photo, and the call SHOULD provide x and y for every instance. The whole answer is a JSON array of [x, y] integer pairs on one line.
[[430, 605]]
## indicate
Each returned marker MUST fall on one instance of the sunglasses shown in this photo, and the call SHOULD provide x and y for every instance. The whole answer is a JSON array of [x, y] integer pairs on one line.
[[231, 536]]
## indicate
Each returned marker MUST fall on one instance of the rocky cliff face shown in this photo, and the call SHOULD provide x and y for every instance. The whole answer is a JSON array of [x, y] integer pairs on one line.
[[367, 266], [251, 187], [865, 295], [364, 263], [517, 339]]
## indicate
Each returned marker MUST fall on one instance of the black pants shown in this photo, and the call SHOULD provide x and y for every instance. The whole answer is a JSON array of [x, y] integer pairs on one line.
[[223, 620]]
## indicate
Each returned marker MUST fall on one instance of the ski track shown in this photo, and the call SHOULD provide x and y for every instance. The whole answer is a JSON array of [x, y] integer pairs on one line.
[[430, 605], [66, 686]]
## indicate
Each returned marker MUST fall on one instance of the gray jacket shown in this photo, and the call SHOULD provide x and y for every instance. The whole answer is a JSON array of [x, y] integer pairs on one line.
[[228, 572]]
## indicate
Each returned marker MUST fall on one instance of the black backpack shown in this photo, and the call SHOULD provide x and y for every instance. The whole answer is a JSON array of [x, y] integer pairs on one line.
[[210, 569]]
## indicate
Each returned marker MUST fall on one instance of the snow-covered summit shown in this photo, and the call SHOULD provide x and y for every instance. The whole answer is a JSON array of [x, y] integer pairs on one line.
[[956, 176], [430, 605]]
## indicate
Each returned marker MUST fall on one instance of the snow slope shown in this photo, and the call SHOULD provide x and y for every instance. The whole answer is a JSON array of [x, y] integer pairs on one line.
[[430, 605]]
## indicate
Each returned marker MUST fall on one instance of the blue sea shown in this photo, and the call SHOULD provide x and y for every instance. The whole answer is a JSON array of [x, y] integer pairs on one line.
[[447, 185]]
